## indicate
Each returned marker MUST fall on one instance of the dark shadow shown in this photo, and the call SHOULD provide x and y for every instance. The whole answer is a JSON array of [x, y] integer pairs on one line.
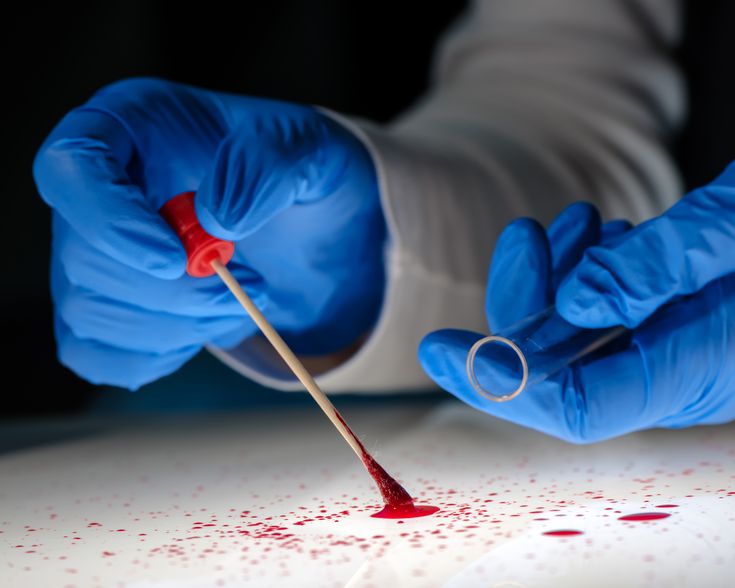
[[20, 436]]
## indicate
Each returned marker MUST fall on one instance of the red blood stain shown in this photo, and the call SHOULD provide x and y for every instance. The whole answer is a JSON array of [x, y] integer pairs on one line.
[[563, 533], [398, 502], [667, 506], [645, 516], [405, 512]]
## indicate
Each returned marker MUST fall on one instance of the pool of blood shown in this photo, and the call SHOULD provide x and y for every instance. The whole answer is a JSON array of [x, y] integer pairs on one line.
[[398, 502], [405, 512]]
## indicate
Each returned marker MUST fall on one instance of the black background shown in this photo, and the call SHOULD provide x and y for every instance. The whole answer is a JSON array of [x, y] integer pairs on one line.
[[366, 58]]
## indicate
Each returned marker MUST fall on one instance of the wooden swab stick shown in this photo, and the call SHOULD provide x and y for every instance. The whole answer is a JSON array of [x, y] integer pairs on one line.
[[288, 356]]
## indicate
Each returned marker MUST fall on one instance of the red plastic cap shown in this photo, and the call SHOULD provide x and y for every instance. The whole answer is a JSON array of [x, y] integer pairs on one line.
[[201, 247]]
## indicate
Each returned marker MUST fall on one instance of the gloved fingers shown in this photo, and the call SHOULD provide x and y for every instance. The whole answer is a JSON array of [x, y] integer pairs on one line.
[[519, 274], [675, 254], [528, 262], [80, 173], [575, 229], [302, 156], [584, 403], [117, 324], [103, 364], [176, 129], [587, 232], [93, 270]]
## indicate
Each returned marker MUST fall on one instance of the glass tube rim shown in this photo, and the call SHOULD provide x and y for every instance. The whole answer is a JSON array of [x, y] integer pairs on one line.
[[472, 354]]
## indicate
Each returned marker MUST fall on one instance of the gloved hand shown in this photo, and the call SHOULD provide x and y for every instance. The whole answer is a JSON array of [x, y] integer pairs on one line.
[[676, 369], [294, 189]]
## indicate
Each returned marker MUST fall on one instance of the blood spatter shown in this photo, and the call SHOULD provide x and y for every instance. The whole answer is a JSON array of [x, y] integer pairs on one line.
[[645, 516]]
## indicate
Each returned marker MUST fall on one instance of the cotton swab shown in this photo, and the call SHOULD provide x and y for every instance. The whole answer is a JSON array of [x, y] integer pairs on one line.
[[207, 255]]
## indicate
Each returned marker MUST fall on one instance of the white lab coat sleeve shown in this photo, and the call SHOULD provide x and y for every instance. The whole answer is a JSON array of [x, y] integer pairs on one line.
[[534, 104]]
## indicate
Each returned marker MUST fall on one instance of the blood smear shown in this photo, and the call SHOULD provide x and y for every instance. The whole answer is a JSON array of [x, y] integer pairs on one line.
[[398, 502], [563, 533], [645, 516]]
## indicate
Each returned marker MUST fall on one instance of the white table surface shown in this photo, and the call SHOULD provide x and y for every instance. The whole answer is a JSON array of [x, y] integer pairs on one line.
[[275, 498]]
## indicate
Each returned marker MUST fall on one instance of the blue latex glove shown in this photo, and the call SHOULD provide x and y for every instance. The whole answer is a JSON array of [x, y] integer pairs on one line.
[[293, 188], [676, 369]]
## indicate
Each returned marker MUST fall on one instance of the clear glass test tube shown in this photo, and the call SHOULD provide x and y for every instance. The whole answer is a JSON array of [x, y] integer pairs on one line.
[[503, 365]]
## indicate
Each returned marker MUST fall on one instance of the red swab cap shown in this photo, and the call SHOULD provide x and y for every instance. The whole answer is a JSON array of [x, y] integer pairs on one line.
[[201, 247]]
